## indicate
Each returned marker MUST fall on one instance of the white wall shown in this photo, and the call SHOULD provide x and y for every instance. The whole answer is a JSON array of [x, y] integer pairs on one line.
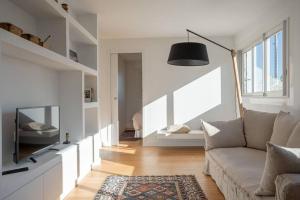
[[18, 17], [274, 16], [122, 94], [32, 86], [201, 92], [134, 98]]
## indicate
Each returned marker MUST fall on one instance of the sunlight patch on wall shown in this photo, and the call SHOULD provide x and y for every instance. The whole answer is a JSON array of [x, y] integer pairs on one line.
[[197, 97], [155, 116]]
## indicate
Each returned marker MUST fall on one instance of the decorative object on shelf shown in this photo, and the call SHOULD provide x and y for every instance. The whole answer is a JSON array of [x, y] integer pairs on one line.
[[67, 141], [93, 95], [36, 39], [65, 6], [195, 54], [11, 28], [88, 95], [73, 55], [31, 38], [44, 43]]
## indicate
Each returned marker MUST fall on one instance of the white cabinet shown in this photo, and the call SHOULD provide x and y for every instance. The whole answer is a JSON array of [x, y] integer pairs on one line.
[[69, 168], [52, 183], [45, 187], [31, 191]]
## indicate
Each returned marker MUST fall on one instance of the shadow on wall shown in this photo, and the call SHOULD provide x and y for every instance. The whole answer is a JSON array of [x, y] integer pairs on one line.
[[192, 100]]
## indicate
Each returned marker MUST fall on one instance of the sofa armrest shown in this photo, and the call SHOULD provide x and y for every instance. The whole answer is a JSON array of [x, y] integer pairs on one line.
[[287, 187]]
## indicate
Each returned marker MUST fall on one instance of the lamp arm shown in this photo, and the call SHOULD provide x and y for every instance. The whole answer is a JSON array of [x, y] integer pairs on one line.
[[237, 83], [189, 31], [235, 71]]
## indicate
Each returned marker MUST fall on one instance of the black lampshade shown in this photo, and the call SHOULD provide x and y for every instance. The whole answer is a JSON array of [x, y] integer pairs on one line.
[[188, 54]]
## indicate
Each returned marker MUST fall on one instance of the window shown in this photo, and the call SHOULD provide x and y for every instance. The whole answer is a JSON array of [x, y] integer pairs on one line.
[[264, 65]]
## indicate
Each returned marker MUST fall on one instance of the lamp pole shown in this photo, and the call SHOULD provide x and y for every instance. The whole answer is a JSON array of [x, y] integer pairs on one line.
[[235, 71]]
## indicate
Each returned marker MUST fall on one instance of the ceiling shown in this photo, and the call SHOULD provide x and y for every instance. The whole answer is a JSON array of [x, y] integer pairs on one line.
[[170, 18]]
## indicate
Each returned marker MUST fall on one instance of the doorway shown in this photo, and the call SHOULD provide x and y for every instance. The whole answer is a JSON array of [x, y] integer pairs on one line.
[[127, 96]]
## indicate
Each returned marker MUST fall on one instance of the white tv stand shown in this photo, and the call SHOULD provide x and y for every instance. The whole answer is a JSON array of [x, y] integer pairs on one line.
[[49, 171]]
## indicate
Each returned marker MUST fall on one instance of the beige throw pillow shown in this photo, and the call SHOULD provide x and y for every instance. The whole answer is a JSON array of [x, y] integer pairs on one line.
[[294, 139], [279, 160], [223, 134], [258, 127], [283, 127]]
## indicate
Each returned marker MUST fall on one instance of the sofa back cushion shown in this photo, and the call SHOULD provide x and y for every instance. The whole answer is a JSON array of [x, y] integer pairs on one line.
[[258, 127], [283, 127], [223, 134], [294, 139]]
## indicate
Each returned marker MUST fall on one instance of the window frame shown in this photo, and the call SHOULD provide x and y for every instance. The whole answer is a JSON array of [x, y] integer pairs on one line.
[[285, 64]]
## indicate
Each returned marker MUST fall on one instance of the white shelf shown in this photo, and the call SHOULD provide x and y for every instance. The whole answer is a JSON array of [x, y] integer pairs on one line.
[[91, 105], [50, 9], [42, 8], [192, 135], [79, 34], [20, 48]]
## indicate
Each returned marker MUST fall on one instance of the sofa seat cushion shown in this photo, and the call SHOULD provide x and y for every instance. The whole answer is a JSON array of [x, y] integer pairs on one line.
[[243, 165]]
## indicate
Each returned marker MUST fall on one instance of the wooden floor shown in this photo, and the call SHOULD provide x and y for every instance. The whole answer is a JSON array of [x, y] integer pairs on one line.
[[130, 158]]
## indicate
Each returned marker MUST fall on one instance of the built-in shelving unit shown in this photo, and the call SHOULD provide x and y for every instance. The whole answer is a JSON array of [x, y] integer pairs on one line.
[[79, 34], [41, 9], [63, 82], [91, 105], [20, 48]]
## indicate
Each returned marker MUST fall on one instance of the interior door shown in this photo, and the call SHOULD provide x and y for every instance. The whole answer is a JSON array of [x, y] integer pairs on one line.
[[114, 62]]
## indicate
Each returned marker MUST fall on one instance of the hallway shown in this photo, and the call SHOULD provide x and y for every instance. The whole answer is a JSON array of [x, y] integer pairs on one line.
[[130, 158]]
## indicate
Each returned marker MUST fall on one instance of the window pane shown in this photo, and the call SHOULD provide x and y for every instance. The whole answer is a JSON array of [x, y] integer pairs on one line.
[[258, 67], [274, 62], [249, 71], [279, 60], [244, 73]]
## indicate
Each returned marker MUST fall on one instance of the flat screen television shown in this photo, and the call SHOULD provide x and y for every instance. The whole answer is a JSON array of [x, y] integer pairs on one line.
[[37, 129]]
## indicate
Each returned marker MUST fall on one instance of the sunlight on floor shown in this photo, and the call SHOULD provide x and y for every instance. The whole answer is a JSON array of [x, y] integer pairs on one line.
[[116, 168], [145, 161], [120, 149]]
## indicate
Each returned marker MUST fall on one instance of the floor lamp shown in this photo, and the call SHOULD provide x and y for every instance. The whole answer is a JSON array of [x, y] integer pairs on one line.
[[195, 54]]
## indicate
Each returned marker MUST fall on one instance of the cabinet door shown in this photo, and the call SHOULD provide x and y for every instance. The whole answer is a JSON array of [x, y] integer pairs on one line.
[[85, 149], [31, 191], [69, 164], [52, 183]]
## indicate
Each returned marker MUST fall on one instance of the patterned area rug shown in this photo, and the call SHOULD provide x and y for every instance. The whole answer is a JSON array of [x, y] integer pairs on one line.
[[183, 187]]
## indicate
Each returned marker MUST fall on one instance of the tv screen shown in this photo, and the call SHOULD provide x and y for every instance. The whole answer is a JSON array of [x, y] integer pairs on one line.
[[37, 129]]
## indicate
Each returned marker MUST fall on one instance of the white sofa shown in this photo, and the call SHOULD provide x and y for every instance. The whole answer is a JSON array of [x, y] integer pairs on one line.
[[237, 171]]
